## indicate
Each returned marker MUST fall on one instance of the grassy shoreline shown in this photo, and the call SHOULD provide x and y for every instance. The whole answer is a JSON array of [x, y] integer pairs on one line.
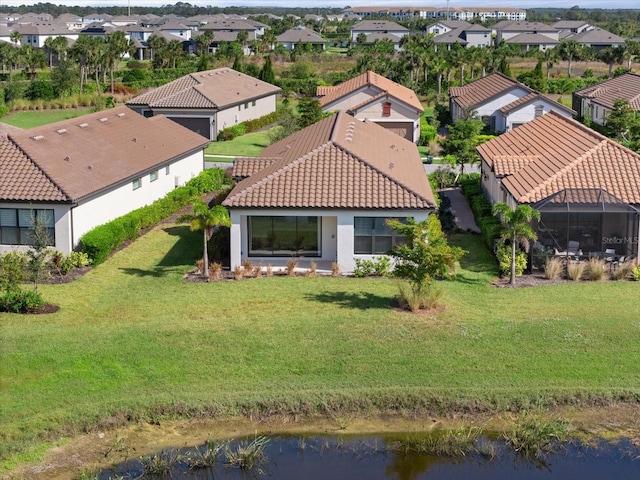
[[134, 342]]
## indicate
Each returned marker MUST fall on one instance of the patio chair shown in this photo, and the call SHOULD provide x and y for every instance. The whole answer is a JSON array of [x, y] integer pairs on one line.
[[610, 254], [573, 247]]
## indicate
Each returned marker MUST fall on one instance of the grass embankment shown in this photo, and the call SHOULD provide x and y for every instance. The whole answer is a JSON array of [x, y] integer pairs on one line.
[[38, 118], [133, 340]]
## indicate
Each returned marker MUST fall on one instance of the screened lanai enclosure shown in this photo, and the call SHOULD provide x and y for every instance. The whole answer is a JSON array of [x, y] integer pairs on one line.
[[584, 223]]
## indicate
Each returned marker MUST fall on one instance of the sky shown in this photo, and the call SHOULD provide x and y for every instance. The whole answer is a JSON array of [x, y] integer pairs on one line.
[[343, 3]]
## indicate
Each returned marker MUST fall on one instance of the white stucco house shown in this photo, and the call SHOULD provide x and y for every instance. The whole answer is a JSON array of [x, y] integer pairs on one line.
[[324, 193], [207, 102], [376, 98], [501, 102], [80, 173], [596, 102]]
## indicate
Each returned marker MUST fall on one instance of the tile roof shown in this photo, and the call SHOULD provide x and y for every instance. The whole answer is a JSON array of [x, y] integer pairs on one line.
[[211, 89], [597, 36], [369, 78], [84, 155], [379, 36], [378, 25], [508, 165], [530, 97], [569, 155], [339, 162], [530, 38], [244, 167], [625, 86], [483, 89], [22, 180], [300, 35]]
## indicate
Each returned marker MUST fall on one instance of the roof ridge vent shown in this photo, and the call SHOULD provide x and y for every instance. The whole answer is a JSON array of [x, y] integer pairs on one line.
[[61, 131], [83, 125], [37, 138], [103, 120], [121, 115]]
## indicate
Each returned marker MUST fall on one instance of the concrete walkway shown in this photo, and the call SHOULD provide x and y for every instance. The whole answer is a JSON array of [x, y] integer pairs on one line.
[[462, 214]]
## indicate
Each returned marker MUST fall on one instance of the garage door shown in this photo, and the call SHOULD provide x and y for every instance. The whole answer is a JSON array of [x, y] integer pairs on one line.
[[404, 129], [198, 125]]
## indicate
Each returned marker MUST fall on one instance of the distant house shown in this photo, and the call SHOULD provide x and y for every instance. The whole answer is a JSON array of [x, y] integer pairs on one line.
[[572, 26], [207, 102], [501, 102], [595, 103], [35, 34], [471, 36], [379, 27], [598, 39], [300, 37], [80, 173], [586, 186], [324, 193], [376, 98]]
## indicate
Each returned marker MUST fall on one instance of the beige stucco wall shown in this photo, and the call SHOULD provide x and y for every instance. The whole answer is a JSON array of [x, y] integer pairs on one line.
[[238, 113]]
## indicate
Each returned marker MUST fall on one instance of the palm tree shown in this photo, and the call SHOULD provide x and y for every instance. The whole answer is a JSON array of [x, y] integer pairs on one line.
[[58, 45], [242, 37], [206, 219], [550, 57], [631, 50], [116, 45], [156, 42], [610, 56], [204, 40], [516, 227], [15, 37], [570, 50], [33, 58]]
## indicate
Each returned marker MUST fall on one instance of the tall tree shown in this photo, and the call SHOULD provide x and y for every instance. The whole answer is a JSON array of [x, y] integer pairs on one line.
[[462, 141], [15, 37], [310, 111], [58, 46], [204, 40], [622, 120], [516, 228], [206, 219], [266, 73], [32, 58], [611, 56], [242, 37], [116, 46], [570, 50], [550, 57]]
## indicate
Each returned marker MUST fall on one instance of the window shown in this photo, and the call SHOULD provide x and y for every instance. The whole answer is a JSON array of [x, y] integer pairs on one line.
[[153, 176], [253, 104], [137, 183], [246, 105], [284, 236], [16, 225], [147, 113], [167, 170], [374, 237], [386, 109]]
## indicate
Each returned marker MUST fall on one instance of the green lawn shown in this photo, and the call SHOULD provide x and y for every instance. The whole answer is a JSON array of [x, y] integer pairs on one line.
[[248, 145], [132, 337], [30, 119]]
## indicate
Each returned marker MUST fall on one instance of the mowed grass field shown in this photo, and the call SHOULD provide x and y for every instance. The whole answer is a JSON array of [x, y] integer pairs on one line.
[[30, 119], [132, 339]]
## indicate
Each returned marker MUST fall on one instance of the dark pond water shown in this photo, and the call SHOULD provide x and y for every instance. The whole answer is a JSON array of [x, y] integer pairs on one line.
[[373, 458]]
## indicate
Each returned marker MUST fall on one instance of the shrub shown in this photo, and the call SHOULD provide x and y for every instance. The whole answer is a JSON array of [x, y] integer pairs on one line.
[[503, 254], [596, 269], [19, 301], [534, 437], [364, 268], [313, 266], [622, 271], [98, 243], [40, 89], [575, 270], [553, 268], [291, 267], [635, 273], [13, 266], [215, 271], [335, 270], [414, 297]]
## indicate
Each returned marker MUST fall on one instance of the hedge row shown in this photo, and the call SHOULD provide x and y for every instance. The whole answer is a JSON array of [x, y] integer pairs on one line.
[[249, 126], [103, 239], [481, 207], [303, 86]]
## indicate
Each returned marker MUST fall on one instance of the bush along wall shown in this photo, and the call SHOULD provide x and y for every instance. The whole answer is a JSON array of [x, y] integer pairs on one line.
[[104, 239], [249, 126], [481, 207]]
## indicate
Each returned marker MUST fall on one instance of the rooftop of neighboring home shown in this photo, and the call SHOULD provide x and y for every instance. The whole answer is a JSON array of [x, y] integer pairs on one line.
[[522, 26], [625, 87], [211, 89], [483, 89], [369, 78], [597, 36], [532, 97], [553, 153], [531, 38], [303, 35], [338, 162], [72, 159], [378, 25]]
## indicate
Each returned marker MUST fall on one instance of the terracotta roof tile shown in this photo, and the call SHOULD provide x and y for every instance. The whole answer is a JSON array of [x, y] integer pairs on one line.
[[218, 88], [483, 89], [625, 86], [87, 154], [569, 155], [338, 162], [22, 180], [369, 78], [244, 167], [506, 165]]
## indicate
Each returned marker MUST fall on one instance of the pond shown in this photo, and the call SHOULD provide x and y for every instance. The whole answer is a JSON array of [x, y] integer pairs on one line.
[[382, 457]]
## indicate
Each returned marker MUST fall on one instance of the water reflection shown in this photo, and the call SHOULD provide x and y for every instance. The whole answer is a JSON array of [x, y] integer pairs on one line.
[[389, 458]]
